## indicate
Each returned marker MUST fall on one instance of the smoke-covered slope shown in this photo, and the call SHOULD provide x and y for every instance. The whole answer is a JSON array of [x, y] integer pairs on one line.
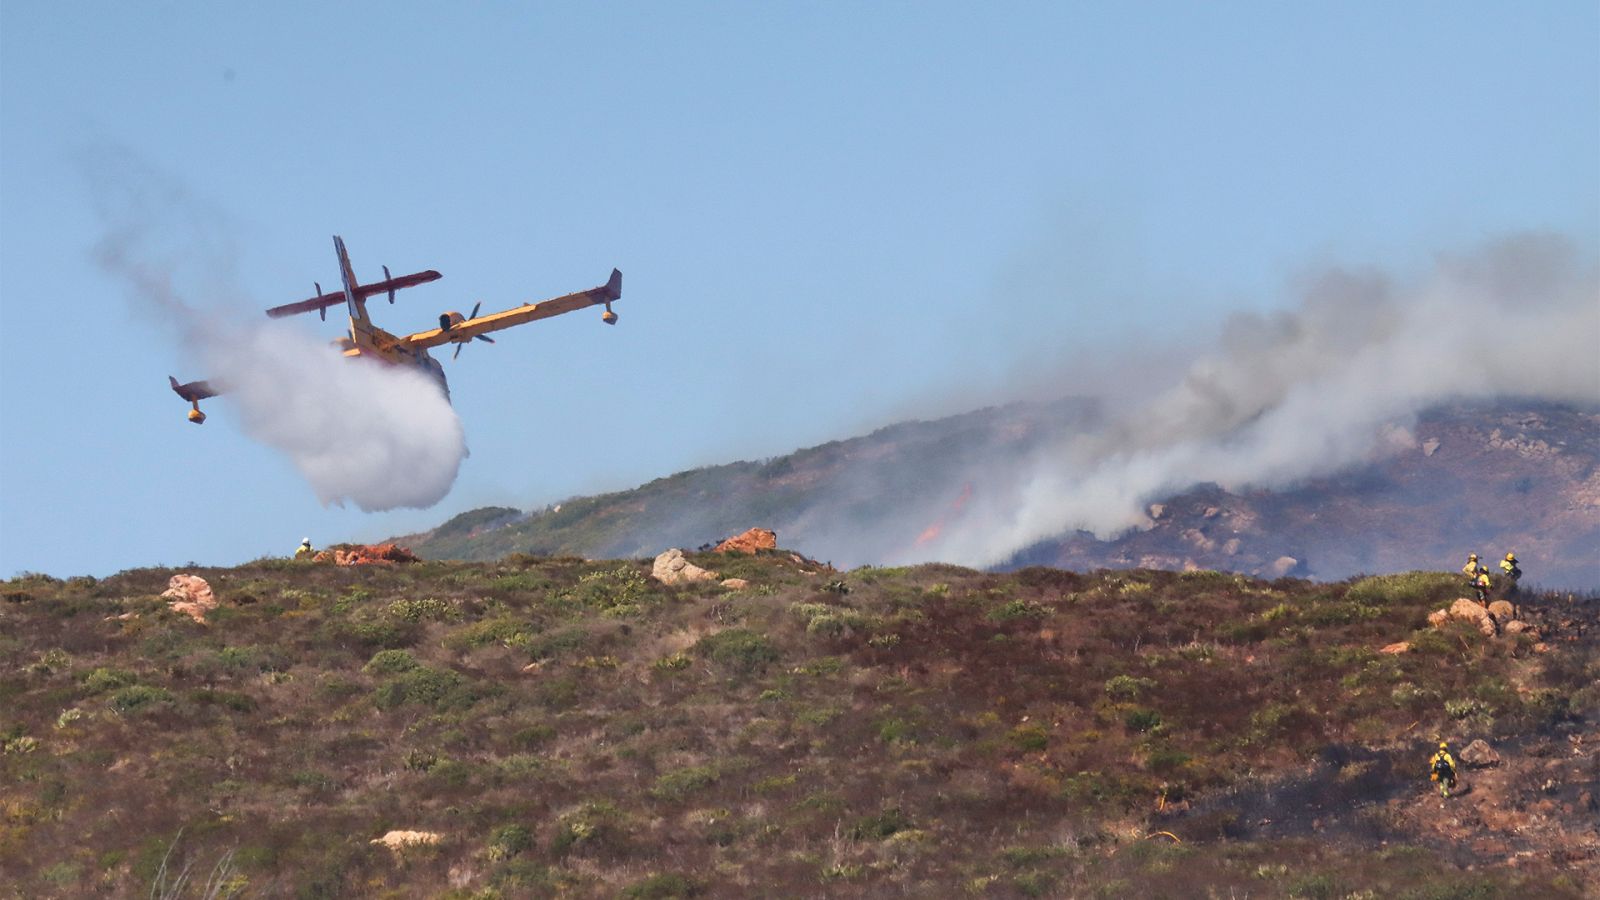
[[1492, 477]]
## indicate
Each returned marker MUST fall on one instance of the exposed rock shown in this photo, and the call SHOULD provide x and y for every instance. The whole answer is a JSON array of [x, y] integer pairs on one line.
[[399, 840], [1211, 512], [1474, 612], [1480, 755], [190, 595], [735, 584], [1430, 445], [1397, 647], [1502, 610], [365, 555], [1282, 566], [1157, 510], [671, 568], [1438, 617], [749, 542], [1517, 626]]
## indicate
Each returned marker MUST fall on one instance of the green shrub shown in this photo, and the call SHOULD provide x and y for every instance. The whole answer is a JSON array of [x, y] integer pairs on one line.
[[738, 650], [675, 786], [426, 609], [614, 592], [508, 841], [1017, 609], [1127, 687], [878, 826], [508, 632], [134, 696], [1030, 738], [439, 688], [104, 679], [1405, 588], [390, 662], [665, 886], [1141, 719]]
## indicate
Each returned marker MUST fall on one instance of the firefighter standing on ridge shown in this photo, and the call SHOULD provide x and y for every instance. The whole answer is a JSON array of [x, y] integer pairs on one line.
[[305, 551], [1513, 573], [1471, 569], [1442, 768], [1482, 585]]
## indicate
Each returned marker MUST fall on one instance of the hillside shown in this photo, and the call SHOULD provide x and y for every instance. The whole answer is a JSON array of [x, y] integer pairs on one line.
[[1520, 476], [574, 728]]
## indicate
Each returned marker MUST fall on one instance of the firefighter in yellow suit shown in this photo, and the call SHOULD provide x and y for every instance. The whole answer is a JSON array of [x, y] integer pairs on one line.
[[1442, 768]]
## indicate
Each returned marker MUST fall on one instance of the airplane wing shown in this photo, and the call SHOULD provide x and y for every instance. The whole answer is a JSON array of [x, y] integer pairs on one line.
[[194, 390], [527, 312], [323, 301]]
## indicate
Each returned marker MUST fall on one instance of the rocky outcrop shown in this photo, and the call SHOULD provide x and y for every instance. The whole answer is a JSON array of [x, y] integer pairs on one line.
[[366, 555], [735, 584], [672, 568], [190, 595], [1397, 648], [1502, 610], [1480, 755], [399, 840], [1473, 612], [751, 541]]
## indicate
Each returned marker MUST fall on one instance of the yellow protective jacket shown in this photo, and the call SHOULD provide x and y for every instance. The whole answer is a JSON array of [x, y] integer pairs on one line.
[[1442, 756], [304, 552], [1510, 568], [1470, 569], [1482, 582]]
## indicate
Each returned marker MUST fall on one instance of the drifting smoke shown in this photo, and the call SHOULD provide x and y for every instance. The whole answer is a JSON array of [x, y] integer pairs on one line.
[[1294, 395], [378, 436]]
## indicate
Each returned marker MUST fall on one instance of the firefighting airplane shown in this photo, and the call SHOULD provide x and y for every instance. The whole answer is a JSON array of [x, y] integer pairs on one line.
[[368, 340]]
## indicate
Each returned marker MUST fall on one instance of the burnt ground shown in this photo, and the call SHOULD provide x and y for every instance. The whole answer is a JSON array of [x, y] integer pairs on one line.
[[1540, 802]]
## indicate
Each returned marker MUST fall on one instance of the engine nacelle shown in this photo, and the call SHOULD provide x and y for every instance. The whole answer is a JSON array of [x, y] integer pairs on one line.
[[449, 320]]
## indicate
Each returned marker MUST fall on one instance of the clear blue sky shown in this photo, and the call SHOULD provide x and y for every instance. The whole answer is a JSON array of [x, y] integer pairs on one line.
[[829, 215]]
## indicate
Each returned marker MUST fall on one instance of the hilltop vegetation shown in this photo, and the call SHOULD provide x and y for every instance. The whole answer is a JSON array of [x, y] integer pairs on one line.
[[574, 728]]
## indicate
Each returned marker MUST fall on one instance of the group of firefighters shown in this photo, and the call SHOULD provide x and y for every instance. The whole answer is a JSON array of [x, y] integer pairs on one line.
[[1442, 766], [1478, 575]]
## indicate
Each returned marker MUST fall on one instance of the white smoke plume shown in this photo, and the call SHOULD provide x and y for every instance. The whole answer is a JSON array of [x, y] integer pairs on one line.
[[1290, 396], [378, 436]]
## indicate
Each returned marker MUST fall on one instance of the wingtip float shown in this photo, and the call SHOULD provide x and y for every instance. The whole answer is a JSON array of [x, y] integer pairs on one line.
[[368, 340]]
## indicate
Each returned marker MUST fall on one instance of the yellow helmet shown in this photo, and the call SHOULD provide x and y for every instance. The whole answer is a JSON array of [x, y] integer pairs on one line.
[[1443, 745], [1511, 556], [1472, 556]]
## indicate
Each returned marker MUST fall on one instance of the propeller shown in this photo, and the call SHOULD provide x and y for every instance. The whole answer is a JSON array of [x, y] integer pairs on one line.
[[485, 338], [388, 277], [321, 310]]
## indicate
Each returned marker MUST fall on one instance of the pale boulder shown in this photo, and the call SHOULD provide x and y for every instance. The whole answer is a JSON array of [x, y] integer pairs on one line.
[[1501, 610], [1474, 612], [1397, 648], [1517, 626], [399, 840], [190, 595], [1480, 755], [672, 568], [735, 584]]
